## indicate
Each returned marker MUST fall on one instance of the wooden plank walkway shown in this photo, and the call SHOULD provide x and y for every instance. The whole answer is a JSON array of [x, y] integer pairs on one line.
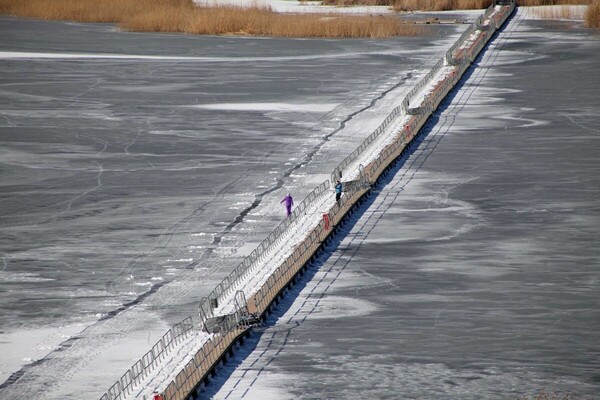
[[204, 362]]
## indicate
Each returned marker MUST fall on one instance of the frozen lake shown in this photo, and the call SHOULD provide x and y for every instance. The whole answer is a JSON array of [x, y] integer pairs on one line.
[[138, 169], [473, 271]]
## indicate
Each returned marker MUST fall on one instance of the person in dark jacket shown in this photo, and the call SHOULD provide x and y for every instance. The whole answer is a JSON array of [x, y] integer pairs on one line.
[[289, 202], [338, 193]]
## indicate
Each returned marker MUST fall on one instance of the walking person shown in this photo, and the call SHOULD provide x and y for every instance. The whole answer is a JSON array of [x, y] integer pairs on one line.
[[338, 193], [289, 202]]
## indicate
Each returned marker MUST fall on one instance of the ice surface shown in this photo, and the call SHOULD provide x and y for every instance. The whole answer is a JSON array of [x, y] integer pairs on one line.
[[263, 268], [295, 234], [283, 107], [298, 6], [120, 202], [24, 55], [27, 346], [476, 255]]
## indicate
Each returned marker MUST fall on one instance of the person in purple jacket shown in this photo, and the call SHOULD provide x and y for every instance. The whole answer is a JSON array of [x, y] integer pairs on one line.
[[289, 202]]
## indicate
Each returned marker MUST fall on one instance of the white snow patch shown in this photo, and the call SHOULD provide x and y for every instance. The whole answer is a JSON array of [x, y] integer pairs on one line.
[[286, 6], [24, 346], [283, 107], [10, 276], [26, 55]]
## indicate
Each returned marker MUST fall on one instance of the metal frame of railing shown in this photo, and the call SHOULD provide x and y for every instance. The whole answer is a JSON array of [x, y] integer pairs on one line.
[[400, 110], [228, 284], [303, 253], [237, 323], [403, 108], [202, 362], [148, 362]]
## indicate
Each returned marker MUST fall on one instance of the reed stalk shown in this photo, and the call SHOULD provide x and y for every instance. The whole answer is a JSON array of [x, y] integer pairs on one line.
[[185, 17]]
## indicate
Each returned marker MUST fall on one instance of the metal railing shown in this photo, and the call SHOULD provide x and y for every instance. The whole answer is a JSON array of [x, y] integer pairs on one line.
[[236, 323], [303, 253], [370, 139], [149, 361], [228, 284], [231, 328], [402, 109], [449, 58], [201, 363]]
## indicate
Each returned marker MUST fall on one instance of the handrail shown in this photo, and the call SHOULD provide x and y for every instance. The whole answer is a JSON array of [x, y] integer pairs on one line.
[[148, 362], [228, 284], [236, 323], [403, 108]]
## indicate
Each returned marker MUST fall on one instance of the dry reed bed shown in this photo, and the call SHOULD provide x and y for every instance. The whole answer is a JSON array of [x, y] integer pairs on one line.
[[261, 22], [439, 5], [559, 12], [183, 16], [553, 2], [592, 15], [447, 5], [414, 5]]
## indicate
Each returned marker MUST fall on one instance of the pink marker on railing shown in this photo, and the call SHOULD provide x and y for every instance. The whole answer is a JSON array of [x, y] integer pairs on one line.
[[326, 219], [156, 396]]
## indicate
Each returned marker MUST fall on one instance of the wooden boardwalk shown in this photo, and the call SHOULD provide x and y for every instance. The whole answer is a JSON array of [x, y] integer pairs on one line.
[[197, 371]]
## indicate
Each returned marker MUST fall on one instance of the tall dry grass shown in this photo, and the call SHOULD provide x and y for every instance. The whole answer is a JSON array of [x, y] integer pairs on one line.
[[559, 12], [86, 10], [439, 5], [416, 5], [592, 15], [263, 22], [527, 3], [343, 3], [447, 5], [183, 16]]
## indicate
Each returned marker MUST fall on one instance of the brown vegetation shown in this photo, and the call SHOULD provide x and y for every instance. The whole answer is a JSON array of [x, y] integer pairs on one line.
[[357, 2], [447, 5], [592, 15], [552, 2], [440, 5], [414, 5], [85, 10], [184, 16], [559, 12], [262, 22]]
